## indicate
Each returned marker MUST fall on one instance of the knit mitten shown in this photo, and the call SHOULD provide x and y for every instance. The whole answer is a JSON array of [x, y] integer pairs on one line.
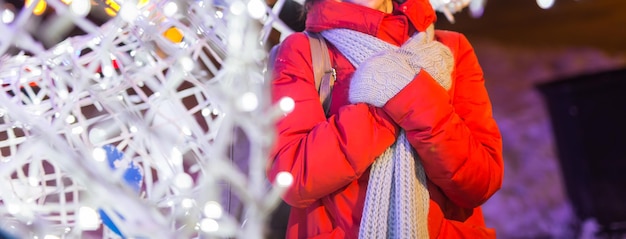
[[379, 78], [423, 52]]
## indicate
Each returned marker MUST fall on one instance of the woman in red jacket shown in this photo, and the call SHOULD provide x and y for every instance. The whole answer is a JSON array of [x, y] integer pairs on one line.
[[410, 148]]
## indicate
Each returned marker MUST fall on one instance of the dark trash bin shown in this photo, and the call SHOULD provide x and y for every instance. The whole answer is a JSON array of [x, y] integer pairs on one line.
[[588, 115]]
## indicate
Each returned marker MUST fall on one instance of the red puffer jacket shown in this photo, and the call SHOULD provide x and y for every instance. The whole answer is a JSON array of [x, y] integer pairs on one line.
[[453, 131]]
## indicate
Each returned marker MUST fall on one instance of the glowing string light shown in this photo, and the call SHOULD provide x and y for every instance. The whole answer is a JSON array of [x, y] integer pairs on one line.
[[248, 102], [256, 9], [99, 154], [70, 119], [237, 8], [40, 8], [7, 16], [89, 219], [284, 179], [112, 7], [173, 34], [129, 12], [545, 4], [209, 225], [213, 210], [187, 203], [183, 181], [80, 7], [286, 104], [170, 9]]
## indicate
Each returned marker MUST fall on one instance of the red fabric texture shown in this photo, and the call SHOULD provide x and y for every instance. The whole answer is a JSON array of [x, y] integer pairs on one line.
[[453, 131]]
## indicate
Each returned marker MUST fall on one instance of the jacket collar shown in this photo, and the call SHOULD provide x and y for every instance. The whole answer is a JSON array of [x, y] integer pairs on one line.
[[329, 14]]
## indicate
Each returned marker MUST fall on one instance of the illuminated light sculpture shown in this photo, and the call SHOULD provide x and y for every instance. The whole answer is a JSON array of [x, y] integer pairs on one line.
[[450, 7], [128, 130], [545, 4], [167, 101]]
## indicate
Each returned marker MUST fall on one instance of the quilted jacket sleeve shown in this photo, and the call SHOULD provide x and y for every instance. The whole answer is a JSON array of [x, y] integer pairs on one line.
[[455, 135], [323, 155]]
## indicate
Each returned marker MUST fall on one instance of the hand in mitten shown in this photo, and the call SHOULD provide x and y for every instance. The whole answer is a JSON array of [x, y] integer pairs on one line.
[[423, 52], [379, 78]]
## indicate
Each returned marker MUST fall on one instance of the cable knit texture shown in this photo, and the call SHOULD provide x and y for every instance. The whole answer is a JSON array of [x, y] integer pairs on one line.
[[422, 52], [384, 69], [397, 200]]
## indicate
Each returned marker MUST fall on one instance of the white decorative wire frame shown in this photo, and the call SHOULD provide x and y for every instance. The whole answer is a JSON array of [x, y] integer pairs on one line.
[[124, 132]]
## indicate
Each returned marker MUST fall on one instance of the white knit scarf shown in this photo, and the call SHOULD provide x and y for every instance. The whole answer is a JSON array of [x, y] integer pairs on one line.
[[397, 200]]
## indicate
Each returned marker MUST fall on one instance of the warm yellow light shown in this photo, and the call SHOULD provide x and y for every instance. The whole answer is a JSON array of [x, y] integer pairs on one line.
[[40, 8], [109, 11], [174, 35], [67, 2], [113, 7]]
